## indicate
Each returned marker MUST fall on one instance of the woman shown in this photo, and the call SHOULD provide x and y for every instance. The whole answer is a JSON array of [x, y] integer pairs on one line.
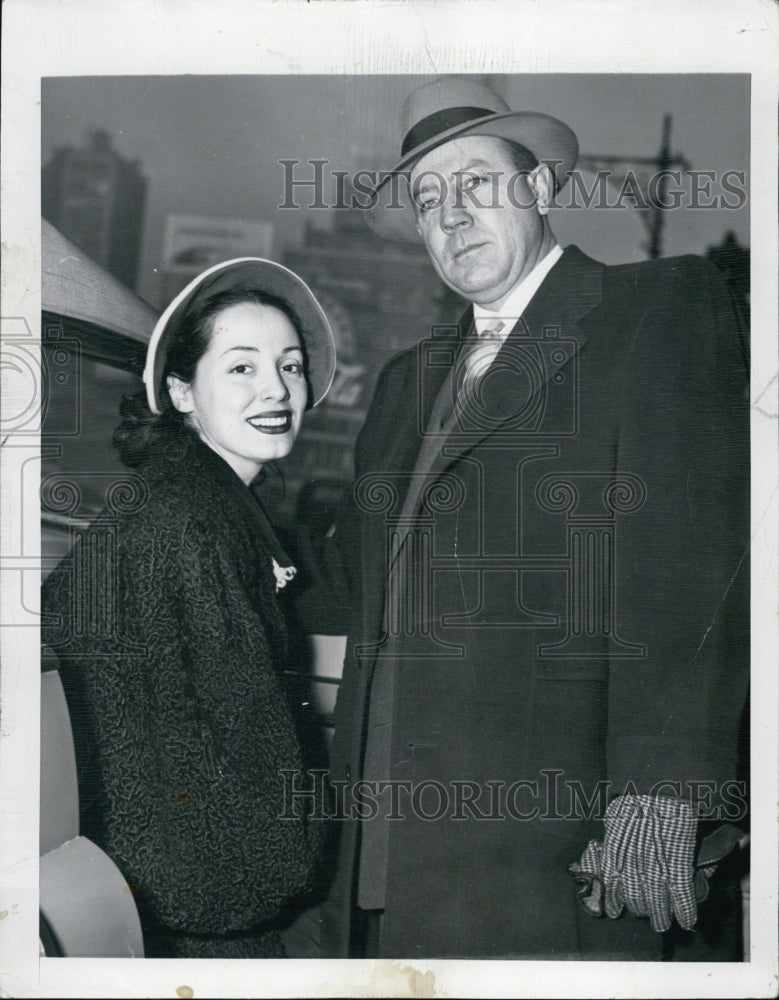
[[181, 722]]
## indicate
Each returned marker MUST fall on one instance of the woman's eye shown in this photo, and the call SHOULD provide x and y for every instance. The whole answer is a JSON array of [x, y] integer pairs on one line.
[[241, 369], [292, 367]]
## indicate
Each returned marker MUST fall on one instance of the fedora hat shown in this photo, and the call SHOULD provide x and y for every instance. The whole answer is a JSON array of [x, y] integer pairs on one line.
[[245, 274], [451, 107]]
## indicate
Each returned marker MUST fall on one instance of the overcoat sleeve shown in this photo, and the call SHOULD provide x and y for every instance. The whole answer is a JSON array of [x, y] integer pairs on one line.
[[188, 732], [331, 587], [683, 559]]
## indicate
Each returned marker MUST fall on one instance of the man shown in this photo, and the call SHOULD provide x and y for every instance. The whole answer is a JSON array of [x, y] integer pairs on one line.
[[547, 663]]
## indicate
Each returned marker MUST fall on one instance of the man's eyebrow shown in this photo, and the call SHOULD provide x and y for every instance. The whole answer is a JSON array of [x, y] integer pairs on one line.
[[478, 162], [427, 181], [473, 165]]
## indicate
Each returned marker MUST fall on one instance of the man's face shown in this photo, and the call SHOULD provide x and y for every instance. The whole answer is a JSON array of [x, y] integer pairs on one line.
[[482, 221]]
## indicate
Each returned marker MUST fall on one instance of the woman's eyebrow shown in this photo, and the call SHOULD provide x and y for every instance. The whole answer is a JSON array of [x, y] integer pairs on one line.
[[239, 348], [256, 350]]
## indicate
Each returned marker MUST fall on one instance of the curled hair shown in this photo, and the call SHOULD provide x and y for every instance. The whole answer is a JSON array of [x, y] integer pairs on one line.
[[140, 429]]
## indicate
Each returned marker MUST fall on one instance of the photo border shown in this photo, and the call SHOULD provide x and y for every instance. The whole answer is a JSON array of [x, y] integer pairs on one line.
[[51, 38]]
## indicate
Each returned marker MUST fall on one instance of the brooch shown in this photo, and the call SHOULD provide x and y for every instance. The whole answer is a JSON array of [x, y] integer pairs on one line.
[[283, 575]]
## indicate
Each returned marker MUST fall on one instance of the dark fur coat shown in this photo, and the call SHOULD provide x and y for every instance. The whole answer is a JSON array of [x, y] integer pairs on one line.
[[172, 644]]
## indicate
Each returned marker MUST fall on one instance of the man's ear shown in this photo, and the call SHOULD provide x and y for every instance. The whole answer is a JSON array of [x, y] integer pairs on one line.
[[180, 394], [541, 181]]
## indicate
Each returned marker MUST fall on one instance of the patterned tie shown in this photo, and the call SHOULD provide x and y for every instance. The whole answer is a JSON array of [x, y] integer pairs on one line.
[[479, 359]]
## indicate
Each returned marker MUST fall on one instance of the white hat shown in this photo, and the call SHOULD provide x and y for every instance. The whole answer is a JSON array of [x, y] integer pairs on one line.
[[449, 108], [247, 273]]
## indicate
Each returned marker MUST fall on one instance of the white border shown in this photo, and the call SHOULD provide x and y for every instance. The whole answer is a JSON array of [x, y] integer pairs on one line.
[[94, 37]]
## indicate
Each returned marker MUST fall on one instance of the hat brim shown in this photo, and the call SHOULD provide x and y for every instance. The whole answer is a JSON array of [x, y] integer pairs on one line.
[[246, 273], [547, 138]]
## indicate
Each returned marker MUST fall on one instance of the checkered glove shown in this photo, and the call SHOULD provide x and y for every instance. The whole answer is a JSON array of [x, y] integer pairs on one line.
[[644, 863]]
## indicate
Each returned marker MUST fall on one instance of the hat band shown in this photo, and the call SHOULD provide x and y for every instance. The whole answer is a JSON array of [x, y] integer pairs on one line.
[[440, 121]]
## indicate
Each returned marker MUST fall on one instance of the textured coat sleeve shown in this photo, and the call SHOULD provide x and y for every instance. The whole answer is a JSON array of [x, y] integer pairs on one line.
[[682, 585], [191, 731]]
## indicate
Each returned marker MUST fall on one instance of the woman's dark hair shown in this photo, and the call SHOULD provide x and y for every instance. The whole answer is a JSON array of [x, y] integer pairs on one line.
[[140, 429]]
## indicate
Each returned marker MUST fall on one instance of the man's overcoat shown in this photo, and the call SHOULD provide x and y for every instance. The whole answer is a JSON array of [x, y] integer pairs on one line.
[[569, 620]]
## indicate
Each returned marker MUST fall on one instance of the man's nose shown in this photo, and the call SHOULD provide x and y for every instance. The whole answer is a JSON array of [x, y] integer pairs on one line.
[[454, 214]]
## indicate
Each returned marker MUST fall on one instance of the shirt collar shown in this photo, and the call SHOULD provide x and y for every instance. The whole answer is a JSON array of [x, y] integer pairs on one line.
[[518, 299]]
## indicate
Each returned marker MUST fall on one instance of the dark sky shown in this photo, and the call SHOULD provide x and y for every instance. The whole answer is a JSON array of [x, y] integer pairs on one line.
[[211, 145]]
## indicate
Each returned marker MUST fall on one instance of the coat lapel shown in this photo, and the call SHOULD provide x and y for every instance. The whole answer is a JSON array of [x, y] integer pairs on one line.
[[542, 347], [544, 344], [412, 398], [416, 397]]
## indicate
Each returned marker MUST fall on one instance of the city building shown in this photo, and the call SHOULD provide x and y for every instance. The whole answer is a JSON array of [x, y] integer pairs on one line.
[[96, 198], [191, 243]]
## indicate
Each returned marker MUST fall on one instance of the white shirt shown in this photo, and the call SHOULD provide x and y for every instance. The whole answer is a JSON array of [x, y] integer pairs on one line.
[[518, 299]]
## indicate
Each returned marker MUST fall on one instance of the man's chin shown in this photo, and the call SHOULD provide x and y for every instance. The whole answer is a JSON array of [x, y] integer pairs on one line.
[[476, 292], [473, 284]]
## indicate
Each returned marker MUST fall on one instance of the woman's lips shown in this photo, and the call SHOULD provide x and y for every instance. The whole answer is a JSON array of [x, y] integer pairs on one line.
[[273, 422]]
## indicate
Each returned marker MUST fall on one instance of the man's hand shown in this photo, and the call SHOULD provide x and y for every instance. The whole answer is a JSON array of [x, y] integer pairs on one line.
[[645, 862]]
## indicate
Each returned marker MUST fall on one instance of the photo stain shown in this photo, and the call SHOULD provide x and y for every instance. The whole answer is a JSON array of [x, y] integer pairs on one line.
[[388, 978], [404, 980]]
